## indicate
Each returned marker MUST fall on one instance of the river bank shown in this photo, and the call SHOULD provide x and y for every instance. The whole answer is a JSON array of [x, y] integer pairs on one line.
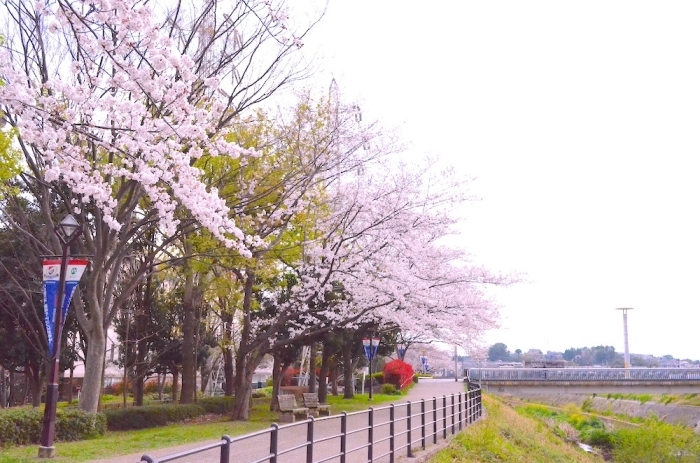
[[670, 413]]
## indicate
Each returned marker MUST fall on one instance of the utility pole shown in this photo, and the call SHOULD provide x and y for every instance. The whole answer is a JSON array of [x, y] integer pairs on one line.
[[624, 322]]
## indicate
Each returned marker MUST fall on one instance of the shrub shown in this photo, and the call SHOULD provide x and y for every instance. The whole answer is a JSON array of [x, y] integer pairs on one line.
[[220, 405], [288, 378], [72, 425], [262, 392], [398, 373], [23, 426], [655, 441], [597, 437], [389, 389], [150, 416], [118, 388], [150, 387]]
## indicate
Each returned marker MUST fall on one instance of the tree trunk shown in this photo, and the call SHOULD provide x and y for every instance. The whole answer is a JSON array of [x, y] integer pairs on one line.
[[70, 386], [13, 390], [334, 375], [227, 351], [161, 385], [228, 372], [277, 370], [25, 389], [244, 387], [35, 382], [176, 381], [348, 380], [188, 334], [94, 369], [3, 388], [138, 388], [323, 376], [247, 359], [312, 366]]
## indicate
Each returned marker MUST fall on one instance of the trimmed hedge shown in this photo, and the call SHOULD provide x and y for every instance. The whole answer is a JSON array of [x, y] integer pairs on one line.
[[23, 426], [151, 416], [220, 405]]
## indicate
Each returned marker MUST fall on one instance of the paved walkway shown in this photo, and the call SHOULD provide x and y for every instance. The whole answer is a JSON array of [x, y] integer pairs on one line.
[[425, 389]]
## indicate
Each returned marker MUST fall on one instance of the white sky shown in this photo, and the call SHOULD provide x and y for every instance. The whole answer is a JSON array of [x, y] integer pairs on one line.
[[580, 122]]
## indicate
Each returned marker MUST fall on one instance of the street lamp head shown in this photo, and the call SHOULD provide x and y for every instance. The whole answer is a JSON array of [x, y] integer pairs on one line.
[[69, 226]]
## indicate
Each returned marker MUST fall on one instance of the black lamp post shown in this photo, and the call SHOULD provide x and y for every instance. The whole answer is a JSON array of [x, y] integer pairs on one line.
[[67, 231], [370, 345]]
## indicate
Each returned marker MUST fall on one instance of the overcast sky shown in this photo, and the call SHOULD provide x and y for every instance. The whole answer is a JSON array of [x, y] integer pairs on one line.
[[579, 121]]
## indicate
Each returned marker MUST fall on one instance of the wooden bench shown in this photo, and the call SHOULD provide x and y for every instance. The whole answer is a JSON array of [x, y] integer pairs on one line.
[[311, 401], [289, 408]]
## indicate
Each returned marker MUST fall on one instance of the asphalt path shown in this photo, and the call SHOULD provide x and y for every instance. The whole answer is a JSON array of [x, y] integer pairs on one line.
[[328, 429]]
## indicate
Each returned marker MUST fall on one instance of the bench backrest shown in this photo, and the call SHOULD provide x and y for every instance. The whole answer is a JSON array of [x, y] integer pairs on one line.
[[310, 399], [287, 402]]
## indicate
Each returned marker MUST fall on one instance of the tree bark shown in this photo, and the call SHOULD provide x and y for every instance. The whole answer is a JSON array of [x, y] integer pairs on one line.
[[244, 388], [13, 390], [312, 366], [323, 376], [35, 383], [348, 380], [3, 388], [176, 383], [334, 375], [188, 335], [94, 369], [70, 386], [227, 351]]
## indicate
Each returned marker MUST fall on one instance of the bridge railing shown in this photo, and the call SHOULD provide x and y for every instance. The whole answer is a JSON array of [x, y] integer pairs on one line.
[[367, 436], [584, 374]]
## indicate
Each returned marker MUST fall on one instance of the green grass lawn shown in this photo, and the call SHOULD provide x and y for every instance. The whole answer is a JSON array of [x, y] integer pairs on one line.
[[144, 440]]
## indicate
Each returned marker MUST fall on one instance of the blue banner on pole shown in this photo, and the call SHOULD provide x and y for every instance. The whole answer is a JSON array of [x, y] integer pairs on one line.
[[50, 296], [370, 346], [52, 269]]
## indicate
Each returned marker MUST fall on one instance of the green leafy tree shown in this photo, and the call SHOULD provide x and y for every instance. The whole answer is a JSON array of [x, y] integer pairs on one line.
[[499, 351]]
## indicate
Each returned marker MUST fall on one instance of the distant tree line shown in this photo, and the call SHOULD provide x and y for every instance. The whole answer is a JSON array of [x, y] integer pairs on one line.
[[605, 356]]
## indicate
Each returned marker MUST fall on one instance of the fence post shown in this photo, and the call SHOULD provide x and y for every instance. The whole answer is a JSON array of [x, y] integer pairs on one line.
[[470, 408], [422, 423], [479, 402], [370, 434], [225, 449], [434, 420], [343, 435], [452, 413], [408, 425], [310, 440], [444, 417], [391, 433], [460, 400], [273, 443]]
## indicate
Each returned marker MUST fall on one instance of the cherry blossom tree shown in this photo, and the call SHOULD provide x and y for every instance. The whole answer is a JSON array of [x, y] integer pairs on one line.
[[384, 249], [113, 101]]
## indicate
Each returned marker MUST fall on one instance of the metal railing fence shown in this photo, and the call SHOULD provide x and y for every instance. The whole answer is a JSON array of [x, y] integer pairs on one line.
[[376, 434]]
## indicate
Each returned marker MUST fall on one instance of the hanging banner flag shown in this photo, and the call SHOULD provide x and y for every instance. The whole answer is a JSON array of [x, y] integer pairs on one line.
[[370, 346], [52, 275]]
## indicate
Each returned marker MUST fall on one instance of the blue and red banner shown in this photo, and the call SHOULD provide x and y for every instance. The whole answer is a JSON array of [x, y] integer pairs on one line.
[[52, 274]]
